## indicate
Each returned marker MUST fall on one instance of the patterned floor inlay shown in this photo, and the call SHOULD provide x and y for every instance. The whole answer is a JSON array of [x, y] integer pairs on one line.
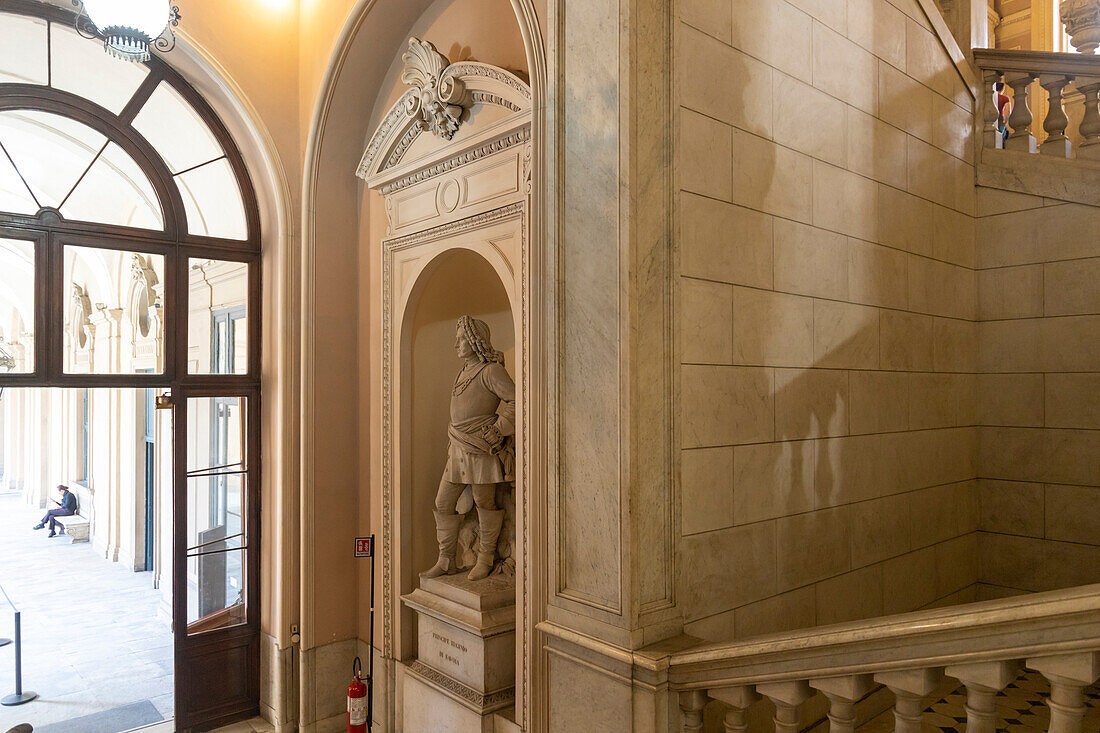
[[1021, 708]]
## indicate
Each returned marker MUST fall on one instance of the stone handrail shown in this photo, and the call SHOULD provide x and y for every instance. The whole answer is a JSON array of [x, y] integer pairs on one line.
[[982, 645], [1055, 71]]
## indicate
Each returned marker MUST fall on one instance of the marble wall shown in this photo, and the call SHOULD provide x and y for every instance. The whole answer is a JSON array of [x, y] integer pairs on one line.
[[827, 308], [1039, 406]]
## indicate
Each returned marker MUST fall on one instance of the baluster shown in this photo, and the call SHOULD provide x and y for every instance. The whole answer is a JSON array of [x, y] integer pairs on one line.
[[787, 696], [692, 703], [843, 694], [1090, 123], [983, 681], [1020, 117], [1069, 675], [911, 688], [738, 700], [990, 135], [1056, 122]]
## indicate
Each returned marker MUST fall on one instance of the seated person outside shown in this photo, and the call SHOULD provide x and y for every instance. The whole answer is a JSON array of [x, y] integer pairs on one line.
[[65, 508]]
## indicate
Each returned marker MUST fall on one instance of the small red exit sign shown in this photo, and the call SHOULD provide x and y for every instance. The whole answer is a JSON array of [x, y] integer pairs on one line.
[[364, 546]]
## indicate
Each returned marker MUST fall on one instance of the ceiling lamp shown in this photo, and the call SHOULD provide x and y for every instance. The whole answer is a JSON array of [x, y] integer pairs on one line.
[[129, 27]]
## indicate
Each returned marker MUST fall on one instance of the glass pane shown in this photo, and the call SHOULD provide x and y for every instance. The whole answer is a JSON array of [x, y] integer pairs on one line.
[[216, 532], [16, 306], [23, 49], [213, 201], [115, 191], [176, 131], [50, 151], [217, 323], [113, 321], [15, 197], [81, 66]]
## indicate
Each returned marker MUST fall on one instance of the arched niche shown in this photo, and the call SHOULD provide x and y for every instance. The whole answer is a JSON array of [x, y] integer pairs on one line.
[[451, 160], [459, 280]]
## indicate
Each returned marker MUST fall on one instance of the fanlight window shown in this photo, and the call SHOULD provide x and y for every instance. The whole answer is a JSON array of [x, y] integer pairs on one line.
[[50, 159], [114, 178]]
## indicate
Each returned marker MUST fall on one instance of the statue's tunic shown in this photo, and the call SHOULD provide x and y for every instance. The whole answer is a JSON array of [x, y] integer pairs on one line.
[[479, 392]]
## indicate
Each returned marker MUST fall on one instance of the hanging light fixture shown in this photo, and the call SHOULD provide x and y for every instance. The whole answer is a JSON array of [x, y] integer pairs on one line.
[[129, 27]]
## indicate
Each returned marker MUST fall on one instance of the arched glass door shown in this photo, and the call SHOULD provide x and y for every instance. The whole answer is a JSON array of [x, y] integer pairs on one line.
[[129, 257]]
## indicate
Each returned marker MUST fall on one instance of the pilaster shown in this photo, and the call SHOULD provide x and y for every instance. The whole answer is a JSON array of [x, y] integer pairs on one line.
[[612, 497]]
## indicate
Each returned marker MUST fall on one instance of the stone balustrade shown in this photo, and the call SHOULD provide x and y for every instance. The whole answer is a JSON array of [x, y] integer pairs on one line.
[[982, 645], [1055, 72]]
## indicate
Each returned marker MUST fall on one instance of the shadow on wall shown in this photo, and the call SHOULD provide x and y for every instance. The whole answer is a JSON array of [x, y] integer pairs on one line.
[[841, 401]]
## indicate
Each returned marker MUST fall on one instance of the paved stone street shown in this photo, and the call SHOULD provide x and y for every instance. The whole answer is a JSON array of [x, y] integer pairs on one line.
[[92, 641]]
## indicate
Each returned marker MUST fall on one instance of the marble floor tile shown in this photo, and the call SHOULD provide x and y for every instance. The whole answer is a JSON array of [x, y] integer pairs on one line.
[[92, 641]]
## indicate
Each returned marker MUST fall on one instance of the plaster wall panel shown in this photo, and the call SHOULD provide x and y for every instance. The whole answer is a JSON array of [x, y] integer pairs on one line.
[[879, 27], [953, 237], [880, 529], [954, 345], [850, 596], [909, 581], [810, 261], [706, 489], [1072, 401], [706, 145], [907, 341], [877, 274], [876, 149], [793, 610], [714, 19], [812, 547], [879, 401], [771, 178], [811, 403], [1012, 507], [706, 309], [1010, 292], [772, 329], [777, 33], [904, 102], [1069, 288], [772, 480], [730, 568], [845, 335], [825, 139], [741, 95], [843, 69], [720, 241], [844, 201], [1070, 513], [1011, 399]]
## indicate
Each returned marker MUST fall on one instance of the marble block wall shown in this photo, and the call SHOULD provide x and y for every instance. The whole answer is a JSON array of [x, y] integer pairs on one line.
[[827, 307], [1039, 394]]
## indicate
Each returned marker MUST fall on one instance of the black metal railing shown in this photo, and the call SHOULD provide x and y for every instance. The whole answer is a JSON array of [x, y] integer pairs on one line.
[[19, 696]]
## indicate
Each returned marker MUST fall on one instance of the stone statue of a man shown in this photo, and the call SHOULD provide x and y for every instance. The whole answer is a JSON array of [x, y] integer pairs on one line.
[[481, 453]]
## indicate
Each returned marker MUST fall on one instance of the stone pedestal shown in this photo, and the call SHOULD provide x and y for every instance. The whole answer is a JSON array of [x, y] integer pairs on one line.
[[466, 654]]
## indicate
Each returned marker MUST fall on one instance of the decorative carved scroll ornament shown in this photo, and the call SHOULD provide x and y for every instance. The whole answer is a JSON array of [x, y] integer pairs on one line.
[[439, 97]]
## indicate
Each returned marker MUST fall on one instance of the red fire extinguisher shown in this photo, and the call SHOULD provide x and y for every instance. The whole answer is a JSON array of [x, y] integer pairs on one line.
[[357, 700]]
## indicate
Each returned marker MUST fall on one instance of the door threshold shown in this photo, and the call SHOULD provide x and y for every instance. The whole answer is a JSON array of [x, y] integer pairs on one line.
[[164, 726]]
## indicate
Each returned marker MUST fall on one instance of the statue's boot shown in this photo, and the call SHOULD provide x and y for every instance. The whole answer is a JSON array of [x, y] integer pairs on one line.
[[489, 524], [446, 533]]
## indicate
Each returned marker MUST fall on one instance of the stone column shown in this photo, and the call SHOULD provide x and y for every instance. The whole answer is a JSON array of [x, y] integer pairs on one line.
[[613, 539], [1082, 21]]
